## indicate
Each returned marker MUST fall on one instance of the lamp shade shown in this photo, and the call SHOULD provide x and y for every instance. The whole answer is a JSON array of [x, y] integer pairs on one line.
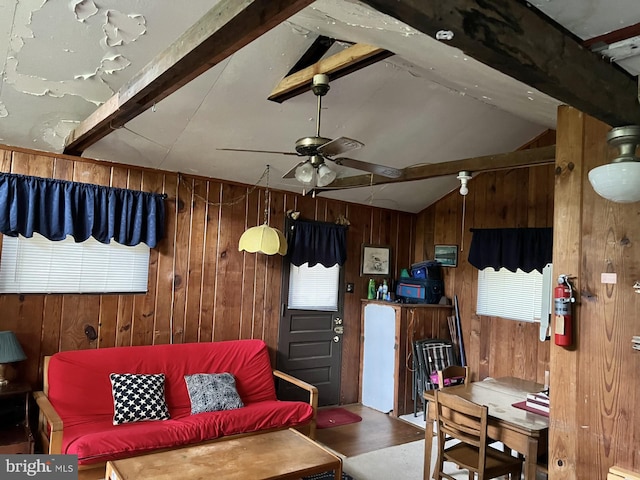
[[617, 181], [325, 175], [304, 173], [263, 239], [10, 349]]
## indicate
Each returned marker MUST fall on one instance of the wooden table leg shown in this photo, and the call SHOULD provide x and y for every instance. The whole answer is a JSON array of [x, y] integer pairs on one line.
[[531, 459], [337, 472], [428, 444]]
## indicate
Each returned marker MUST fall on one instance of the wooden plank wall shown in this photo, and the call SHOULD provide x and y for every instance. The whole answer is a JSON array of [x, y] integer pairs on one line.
[[200, 287], [595, 395], [510, 198]]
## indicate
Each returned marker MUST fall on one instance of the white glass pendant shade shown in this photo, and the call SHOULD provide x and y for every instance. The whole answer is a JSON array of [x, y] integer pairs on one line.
[[618, 181], [304, 173], [263, 239], [325, 175]]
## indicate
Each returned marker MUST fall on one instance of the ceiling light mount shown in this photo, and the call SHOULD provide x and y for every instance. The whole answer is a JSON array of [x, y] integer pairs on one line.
[[464, 178], [618, 181]]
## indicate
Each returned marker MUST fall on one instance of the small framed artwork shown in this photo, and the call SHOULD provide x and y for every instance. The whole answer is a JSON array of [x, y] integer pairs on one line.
[[376, 260], [447, 255]]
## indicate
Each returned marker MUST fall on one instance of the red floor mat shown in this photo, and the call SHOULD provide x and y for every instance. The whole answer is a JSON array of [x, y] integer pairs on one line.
[[334, 417]]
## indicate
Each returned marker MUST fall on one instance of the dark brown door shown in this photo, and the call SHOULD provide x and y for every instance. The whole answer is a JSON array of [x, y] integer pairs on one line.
[[310, 348]]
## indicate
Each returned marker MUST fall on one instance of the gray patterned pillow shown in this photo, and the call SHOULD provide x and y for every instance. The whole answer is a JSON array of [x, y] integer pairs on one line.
[[210, 392]]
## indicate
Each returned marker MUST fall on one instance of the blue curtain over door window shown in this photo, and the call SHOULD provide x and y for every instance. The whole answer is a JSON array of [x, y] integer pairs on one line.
[[316, 242]]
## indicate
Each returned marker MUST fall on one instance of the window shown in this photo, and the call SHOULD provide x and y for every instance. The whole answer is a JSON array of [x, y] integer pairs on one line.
[[314, 288], [517, 296], [38, 265]]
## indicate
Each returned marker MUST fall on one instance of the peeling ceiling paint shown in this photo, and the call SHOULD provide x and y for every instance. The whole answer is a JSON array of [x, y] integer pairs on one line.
[[428, 103]]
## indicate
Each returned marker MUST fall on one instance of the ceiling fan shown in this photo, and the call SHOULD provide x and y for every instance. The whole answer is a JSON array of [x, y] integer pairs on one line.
[[319, 149]]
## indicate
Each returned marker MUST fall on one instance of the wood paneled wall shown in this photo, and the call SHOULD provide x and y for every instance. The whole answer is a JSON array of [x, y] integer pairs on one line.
[[200, 287], [509, 198], [595, 387]]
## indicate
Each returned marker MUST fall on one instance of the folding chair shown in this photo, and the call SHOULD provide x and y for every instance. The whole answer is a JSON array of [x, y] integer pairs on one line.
[[430, 355]]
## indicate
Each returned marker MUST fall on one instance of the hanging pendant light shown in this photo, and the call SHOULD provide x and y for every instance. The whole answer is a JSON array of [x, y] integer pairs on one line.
[[263, 238]]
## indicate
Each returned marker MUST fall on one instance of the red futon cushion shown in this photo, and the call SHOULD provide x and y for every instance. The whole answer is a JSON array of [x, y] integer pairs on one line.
[[80, 391]]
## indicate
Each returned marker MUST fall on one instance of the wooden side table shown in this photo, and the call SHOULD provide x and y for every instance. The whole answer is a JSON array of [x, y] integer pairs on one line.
[[15, 433]]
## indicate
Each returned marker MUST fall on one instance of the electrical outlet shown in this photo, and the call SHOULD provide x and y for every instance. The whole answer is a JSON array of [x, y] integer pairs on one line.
[[350, 287]]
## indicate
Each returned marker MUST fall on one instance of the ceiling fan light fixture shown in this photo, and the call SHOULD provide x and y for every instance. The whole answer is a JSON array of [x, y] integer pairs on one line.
[[325, 175], [304, 173]]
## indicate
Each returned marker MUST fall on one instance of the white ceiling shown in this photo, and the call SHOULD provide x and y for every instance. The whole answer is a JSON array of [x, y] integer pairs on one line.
[[428, 103]]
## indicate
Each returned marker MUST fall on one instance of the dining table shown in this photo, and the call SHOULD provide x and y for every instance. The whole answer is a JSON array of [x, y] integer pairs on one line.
[[521, 430]]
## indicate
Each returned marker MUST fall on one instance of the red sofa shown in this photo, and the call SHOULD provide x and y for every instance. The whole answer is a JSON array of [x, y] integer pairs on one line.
[[76, 406]]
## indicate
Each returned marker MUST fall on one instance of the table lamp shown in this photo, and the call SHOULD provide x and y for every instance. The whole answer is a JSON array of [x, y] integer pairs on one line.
[[10, 351]]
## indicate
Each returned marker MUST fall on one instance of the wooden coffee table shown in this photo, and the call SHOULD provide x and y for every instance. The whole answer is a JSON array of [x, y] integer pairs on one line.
[[280, 454]]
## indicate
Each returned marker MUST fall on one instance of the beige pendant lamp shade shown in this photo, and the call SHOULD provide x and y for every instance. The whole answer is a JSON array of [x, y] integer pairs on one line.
[[263, 238]]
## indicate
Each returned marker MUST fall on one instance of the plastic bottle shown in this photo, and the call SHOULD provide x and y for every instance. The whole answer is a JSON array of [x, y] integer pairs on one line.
[[380, 296], [371, 293], [385, 290]]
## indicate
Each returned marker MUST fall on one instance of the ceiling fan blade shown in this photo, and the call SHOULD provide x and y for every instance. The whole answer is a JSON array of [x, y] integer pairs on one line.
[[338, 146], [369, 167], [292, 173], [258, 151]]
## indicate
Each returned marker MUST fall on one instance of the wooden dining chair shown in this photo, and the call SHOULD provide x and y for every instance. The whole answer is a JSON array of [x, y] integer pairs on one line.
[[467, 422], [453, 375]]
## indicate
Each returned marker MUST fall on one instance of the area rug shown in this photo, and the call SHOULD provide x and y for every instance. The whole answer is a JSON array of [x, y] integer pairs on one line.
[[334, 417], [327, 476], [401, 461]]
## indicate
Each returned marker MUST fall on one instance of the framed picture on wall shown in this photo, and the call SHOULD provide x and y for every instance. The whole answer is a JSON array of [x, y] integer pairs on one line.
[[376, 260], [447, 255]]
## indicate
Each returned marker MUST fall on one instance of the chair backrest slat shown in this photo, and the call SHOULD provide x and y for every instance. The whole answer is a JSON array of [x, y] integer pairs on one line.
[[463, 420]]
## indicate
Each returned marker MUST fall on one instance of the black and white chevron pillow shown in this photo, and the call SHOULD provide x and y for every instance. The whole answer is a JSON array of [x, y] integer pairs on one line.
[[138, 397]]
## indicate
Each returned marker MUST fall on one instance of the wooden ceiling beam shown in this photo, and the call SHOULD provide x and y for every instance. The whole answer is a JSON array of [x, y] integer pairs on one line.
[[342, 63], [517, 41], [222, 31], [519, 159]]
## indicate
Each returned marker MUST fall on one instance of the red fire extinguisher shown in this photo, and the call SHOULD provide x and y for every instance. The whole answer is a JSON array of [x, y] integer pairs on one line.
[[563, 299]]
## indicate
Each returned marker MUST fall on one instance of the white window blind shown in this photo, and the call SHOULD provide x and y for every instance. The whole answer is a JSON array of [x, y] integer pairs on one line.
[[39, 265], [517, 296], [314, 288]]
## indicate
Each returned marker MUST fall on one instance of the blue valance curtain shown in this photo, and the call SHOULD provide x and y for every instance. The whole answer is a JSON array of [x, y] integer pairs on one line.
[[316, 242], [511, 248], [57, 208]]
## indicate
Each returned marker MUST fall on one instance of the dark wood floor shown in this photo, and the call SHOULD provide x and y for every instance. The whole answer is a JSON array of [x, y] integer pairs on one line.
[[376, 430]]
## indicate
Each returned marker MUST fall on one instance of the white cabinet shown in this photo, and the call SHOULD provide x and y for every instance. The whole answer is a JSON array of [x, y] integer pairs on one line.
[[388, 332], [378, 358]]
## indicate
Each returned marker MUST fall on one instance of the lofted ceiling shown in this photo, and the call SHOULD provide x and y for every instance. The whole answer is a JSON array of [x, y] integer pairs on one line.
[[428, 103]]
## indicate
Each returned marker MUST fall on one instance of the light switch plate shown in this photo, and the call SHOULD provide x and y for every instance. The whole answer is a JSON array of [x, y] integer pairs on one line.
[[609, 278]]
